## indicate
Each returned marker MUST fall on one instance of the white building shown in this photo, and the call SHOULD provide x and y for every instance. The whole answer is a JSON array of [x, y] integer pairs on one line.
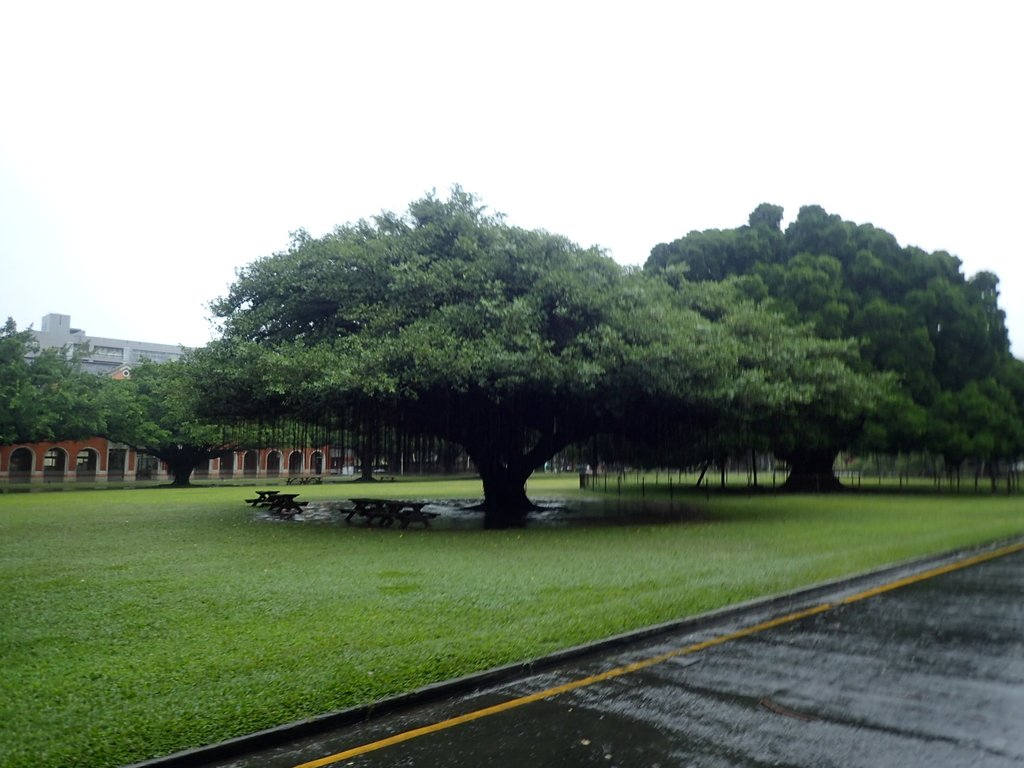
[[101, 355]]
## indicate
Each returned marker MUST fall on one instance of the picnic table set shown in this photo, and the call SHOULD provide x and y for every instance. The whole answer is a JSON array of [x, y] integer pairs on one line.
[[304, 480], [385, 513]]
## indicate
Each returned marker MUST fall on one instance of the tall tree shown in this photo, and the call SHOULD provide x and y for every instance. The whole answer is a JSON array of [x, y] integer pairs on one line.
[[155, 412], [511, 343], [914, 315]]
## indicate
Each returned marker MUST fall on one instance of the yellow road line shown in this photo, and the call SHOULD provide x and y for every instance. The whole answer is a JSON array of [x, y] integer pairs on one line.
[[789, 618], [933, 572]]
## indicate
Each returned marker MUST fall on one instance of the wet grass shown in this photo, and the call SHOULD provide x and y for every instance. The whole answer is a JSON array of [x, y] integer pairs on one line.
[[139, 622]]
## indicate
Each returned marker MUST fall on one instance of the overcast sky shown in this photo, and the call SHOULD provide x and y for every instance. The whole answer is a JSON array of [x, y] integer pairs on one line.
[[148, 149]]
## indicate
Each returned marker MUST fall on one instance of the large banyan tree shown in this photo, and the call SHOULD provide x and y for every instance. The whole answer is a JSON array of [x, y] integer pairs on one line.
[[938, 335], [511, 343]]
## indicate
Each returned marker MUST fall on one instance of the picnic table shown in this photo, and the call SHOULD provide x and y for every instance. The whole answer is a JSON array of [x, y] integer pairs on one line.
[[304, 480], [283, 504], [263, 498], [388, 511]]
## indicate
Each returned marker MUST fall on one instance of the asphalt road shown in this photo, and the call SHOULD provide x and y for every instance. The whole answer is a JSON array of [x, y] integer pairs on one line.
[[929, 673]]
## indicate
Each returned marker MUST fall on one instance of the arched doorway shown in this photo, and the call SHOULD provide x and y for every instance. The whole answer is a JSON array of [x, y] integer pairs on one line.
[[250, 463], [316, 462], [20, 468], [55, 464], [227, 464], [86, 463], [295, 463], [273, 463]]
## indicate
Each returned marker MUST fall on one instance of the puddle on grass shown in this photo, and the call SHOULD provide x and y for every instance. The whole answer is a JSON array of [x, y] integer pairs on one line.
[[552, 512]]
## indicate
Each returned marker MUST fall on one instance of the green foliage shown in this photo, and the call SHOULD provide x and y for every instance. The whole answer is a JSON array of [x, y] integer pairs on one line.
[[511, 343], [941, 338], [46, 397], [155, 411]]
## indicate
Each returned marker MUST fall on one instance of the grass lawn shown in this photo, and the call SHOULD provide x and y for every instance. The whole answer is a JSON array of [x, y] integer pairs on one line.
[[135, 623]]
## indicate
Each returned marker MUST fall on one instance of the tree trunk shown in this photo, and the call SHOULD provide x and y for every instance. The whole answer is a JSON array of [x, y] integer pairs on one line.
[[366, 458], [703, 471], [505, 458], [181, 471], [505, 503], [181, 479], [811, 472], [366, 438], [182, 460]]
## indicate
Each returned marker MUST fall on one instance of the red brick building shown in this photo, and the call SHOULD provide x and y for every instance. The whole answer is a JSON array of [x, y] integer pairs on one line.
[[99, 460]]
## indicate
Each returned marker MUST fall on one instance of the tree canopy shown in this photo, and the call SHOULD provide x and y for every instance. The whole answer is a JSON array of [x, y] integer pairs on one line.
[[43, 395], [155, 411], [512, 343], [941, 335]]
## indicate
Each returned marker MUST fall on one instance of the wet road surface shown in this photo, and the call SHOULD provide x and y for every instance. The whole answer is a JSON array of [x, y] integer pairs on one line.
[[931, 673]]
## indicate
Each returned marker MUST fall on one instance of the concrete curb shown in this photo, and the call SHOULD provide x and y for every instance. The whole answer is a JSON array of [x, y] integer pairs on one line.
[[788, 601]]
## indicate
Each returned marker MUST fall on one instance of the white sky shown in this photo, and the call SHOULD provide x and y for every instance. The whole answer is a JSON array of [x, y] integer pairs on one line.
[[148, 149]]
